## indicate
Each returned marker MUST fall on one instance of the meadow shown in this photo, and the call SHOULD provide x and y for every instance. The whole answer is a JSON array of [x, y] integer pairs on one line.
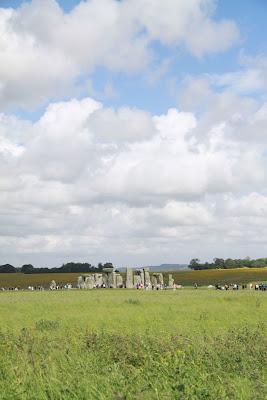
[[129, 344], [184, 277]]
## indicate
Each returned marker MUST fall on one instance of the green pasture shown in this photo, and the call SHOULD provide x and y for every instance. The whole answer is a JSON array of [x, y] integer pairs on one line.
[[130, 344], [185, 278]]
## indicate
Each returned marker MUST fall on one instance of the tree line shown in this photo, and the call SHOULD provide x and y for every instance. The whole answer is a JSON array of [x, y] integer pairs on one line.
[[69, 267], [229, 263]]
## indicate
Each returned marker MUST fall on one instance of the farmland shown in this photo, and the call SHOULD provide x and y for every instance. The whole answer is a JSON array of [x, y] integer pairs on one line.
[[130, 344], [185, 278]]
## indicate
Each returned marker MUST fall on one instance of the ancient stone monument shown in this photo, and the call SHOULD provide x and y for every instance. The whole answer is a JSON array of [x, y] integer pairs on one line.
[[108, 278], [140, 278]]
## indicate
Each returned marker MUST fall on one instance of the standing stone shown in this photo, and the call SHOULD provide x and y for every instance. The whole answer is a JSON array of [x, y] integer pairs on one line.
[[105, 280], [119, 281], [53, 285], [80, 283], [110, 280], [98, 280], [154, 281], [129, 278], [171, 281], [147, 277], [161, 281], [142, 274], [114, 279], [89, 282], [137, 280], [111, 277]]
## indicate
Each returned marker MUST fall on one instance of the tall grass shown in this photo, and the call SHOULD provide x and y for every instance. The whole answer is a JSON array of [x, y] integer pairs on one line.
[[192, 344]]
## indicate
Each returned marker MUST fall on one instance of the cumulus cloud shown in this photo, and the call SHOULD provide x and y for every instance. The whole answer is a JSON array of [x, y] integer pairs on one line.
[[189, 22], [84, 178], [122, 125], [45, 50]]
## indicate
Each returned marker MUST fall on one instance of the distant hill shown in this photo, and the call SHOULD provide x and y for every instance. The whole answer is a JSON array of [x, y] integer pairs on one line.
[[168, 267]]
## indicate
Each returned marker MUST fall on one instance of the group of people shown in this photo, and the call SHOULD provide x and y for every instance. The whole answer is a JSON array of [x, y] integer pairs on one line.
[[37, 288], [261, 286], [235, 286], [54, 286], [149, 286]]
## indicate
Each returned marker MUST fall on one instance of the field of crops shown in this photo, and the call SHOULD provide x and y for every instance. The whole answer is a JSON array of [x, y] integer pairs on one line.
[[127, 344], [221, 276], [185, 278], [25, 280]]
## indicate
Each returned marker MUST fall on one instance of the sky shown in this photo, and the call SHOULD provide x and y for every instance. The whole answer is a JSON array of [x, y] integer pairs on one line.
[[132, 131]]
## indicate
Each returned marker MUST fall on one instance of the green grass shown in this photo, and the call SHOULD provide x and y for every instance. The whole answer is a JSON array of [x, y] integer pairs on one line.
[[185, 278], [129, 344]]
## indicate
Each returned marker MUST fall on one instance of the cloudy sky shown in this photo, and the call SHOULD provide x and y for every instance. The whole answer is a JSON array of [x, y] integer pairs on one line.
[[132, 131]]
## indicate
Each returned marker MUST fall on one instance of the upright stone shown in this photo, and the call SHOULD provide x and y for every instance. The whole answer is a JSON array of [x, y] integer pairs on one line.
[[111, 277], [171, 281], [114, 279], [89, 282], [98, 280], [154, 281], [119, 281], [80, 283], [142, 274], [137, 280], [53, 285], [146, 277], [129, 278], [105, 280], [161, 281]]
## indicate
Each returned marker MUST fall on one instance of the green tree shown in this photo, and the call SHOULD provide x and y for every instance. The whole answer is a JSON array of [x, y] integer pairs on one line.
[[27, 269]]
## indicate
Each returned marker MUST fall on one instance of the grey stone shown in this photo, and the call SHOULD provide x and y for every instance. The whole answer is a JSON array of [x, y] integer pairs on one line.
[[119, 281], [154, 281], [129, 278], [137, 280], [161, 281], [170, 281], [53, 285], [80, 283], [147, 278]]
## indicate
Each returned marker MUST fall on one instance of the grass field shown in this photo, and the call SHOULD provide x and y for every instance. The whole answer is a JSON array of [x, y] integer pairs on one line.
[[185, 278], [129, 344]]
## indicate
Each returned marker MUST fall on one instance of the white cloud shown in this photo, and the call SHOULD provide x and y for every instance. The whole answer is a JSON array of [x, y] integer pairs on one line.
[[95, 182], [123, 125], [187, 22], [44, 50]]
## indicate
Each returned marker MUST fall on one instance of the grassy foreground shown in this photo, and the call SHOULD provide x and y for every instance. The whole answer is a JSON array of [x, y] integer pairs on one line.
[[185, 278], [121, 344]]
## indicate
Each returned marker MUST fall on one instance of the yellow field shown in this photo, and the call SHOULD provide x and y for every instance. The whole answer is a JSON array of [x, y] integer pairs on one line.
[[220, 276], [185, 278], [25, 280]]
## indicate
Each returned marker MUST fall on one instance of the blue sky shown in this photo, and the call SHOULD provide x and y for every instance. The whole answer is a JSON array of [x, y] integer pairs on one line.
[[132, 131]]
